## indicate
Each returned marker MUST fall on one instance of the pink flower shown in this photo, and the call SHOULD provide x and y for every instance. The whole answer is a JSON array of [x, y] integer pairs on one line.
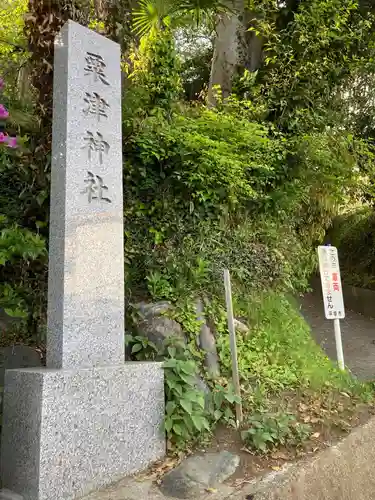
[[3, 137], [12, 142], [3, 112]]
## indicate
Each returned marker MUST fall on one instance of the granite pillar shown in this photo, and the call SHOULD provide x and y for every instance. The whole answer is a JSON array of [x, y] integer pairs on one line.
[[88, 418]]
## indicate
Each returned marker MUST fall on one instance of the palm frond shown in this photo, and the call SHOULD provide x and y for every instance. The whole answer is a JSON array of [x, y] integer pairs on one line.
[[153, 14], [150, 14]]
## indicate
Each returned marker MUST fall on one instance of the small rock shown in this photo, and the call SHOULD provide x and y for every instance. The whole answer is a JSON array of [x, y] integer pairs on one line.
[[197, 474], [207, 343], [153, 309], [241, 327], [156, 327], [9, 495], [159, 328]]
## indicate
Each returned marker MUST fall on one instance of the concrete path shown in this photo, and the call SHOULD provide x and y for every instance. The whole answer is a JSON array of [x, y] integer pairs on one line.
[[358, 336]]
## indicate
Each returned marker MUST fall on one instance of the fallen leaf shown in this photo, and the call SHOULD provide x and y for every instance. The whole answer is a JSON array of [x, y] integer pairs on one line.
[[247, 451], [315, 435], [275, 468], [279, 455], [345, 394], [211, 490]]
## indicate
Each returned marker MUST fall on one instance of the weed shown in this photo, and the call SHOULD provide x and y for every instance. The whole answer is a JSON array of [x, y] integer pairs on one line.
[[268, 431]]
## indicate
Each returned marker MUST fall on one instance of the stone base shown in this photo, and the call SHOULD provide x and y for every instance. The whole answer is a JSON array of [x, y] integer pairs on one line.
[[68, 432]]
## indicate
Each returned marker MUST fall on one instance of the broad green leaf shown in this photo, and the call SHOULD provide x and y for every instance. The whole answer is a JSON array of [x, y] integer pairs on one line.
[[218, 414], [168, 424], [136, 348], [170, 407], [187, 406], [177, 429]]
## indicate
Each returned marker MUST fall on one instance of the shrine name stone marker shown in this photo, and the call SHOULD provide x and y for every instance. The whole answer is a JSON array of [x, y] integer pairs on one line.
[[89, 418]]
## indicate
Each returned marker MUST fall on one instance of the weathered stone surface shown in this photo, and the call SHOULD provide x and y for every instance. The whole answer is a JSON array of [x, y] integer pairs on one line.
[[18, 356], [153, 308], [86, 248], [154, 325], [68, 432], [197, 473], [86, 420], [207, 343]]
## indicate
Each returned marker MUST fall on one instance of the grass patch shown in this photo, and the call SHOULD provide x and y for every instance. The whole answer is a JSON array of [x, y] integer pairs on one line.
[[279, 354]]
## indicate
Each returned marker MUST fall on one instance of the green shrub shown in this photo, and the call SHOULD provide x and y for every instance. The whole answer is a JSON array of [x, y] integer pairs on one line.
[[354, 235], [216, 175], [18, 248]]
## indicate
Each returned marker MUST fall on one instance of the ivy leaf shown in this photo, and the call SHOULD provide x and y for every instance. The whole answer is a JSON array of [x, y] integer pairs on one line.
[[188, 367], [188, 379], [187, 406], [16, 313], [170, 363], [177, 388], [218, 414], [172, 351], [230, 397], [200, 422], [192, 396], [177, 429], [170, 407], [136, 348]]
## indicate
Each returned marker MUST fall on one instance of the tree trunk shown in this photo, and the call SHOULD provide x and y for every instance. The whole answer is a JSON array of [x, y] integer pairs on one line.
[[226, 53], [252, 46], [117, 16], [235, 47]]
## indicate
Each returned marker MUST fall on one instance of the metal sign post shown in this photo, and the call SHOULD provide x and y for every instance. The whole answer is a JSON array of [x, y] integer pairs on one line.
[[332, 294]]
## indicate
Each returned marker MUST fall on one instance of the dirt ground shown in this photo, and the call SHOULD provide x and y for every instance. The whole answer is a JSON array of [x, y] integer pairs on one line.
[[330, 421]]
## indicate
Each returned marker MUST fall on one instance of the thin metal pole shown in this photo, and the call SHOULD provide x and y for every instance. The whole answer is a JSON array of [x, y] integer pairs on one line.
[[340, 352], [233, 345]]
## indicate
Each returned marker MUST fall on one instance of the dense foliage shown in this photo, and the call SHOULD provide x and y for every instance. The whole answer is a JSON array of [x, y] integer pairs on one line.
[[354, 235]]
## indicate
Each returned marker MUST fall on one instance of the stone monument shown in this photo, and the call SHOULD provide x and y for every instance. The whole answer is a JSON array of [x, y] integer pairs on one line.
[[89, 418]]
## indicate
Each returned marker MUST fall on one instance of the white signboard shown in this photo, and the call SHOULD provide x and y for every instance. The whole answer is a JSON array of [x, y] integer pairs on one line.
[[331, 282]]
